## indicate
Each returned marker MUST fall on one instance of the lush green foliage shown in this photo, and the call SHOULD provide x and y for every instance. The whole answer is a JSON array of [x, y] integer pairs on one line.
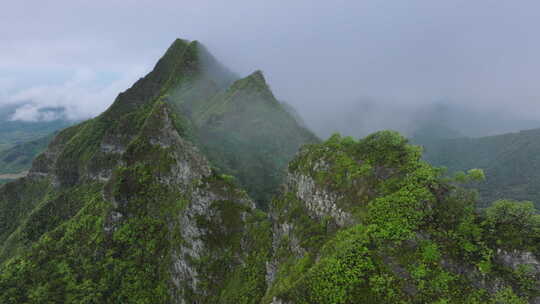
[[417, 238], [513, 225], [17, 200]]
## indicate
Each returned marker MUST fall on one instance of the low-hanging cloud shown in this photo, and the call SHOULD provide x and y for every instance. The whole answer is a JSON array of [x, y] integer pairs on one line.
[[318, 56], [80, 97]]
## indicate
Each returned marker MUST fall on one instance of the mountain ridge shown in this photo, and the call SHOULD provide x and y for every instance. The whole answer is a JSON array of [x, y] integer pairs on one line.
[[149, 203]]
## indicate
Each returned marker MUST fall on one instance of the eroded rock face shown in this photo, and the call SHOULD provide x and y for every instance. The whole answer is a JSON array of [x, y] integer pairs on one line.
[[321, 202], [188, 164], [515, 259], [186, 269], [282, 231], [185, 275]]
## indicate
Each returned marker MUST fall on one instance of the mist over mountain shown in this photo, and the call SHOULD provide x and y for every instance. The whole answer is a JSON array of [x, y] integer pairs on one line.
[[317, 56], [199, 186], [442, 119]]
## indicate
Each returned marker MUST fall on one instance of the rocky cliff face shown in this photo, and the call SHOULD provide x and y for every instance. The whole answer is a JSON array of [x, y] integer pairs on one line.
[[133, 207]]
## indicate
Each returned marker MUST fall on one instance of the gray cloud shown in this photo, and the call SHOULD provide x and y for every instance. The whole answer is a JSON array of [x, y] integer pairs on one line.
[[317, 55]]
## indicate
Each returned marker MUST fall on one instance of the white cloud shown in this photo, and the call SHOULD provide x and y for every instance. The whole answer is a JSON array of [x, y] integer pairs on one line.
[[32, 112], [83, 96]]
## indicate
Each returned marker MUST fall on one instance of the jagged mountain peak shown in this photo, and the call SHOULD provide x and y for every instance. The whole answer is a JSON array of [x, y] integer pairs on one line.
[[178, 64], [255, 82], [258, 77], [186, 79], [248, 92], [210, 104]]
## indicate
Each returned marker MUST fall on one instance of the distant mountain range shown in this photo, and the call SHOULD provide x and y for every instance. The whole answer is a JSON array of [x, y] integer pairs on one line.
[[14, 132], [364, 116], [511, 162], [21, 141]]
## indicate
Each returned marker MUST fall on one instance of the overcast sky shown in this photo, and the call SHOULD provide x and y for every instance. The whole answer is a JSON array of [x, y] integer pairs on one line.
[[315, 54]]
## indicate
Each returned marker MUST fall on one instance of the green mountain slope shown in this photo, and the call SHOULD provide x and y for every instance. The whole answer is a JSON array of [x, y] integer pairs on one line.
[[239, 125], [84, 154], [132, 207], [249, 134], [511, 163], [160, 228]]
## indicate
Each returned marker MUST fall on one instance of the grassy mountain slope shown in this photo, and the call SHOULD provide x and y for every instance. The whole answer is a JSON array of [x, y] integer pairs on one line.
[[239, 125], [511, 163], [132, 207], [217, 112]]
